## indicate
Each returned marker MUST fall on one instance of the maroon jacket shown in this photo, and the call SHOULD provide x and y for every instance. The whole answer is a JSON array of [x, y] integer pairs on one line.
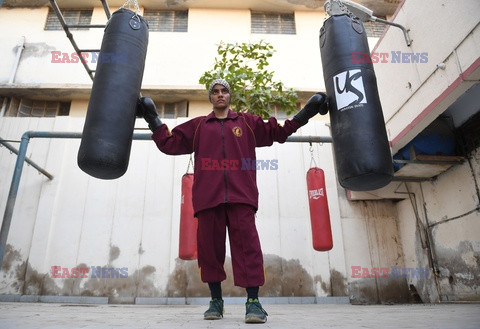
[[224, 151]]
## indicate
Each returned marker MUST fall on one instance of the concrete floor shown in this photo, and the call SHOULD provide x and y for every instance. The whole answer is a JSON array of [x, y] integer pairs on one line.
[[65, 316]]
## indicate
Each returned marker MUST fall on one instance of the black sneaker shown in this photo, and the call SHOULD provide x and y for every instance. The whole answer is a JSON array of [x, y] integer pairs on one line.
[[215, 311], [255, 313]]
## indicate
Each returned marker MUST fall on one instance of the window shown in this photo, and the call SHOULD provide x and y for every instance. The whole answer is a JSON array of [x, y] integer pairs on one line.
[[167, 21], [374, 29], [72, 17], [172, 110], [272, 23], [3, 106], [38, 108], [280, 113]]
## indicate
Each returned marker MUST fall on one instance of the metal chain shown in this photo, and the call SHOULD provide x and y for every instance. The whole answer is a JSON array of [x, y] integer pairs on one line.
[[312, 159], [344, 8], [190, 163], [341, 5], [135, 5]]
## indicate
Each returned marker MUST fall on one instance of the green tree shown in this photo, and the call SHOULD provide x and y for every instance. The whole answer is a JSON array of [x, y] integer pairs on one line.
[[244, 66]]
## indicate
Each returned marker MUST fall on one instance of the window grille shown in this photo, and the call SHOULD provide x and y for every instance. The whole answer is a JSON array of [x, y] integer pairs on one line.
[[38, 108], [273, 23], [279, 113], [173, 110], [72, 17], [167, 21]]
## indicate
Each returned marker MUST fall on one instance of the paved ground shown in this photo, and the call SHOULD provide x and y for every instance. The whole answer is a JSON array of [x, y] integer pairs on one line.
[[291, 316]]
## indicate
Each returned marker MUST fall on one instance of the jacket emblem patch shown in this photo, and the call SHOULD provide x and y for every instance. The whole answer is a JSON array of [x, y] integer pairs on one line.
[[237, 131]]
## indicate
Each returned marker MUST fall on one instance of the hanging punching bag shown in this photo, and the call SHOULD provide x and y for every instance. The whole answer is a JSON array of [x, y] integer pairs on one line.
[[107, 134], [362, 152], [319, 214], [188, 224]]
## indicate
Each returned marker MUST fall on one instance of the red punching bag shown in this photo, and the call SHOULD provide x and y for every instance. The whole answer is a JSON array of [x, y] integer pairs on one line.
[[319, 214], [188, 223]]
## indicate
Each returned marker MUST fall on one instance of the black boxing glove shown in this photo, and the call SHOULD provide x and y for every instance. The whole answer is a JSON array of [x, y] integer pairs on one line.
[[316, 104], [146, 108]]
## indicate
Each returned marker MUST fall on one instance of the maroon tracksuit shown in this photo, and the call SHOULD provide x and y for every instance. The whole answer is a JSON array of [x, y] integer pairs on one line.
[[225, 190]]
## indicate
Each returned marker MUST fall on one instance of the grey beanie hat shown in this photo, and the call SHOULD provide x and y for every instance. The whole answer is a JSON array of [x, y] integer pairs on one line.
[[219, 82]]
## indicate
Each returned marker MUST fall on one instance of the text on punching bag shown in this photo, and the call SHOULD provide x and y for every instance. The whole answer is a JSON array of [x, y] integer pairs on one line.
[[316, 194], [349, 89]]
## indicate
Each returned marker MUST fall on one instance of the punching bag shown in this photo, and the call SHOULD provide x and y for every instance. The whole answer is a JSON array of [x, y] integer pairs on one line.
[[319, 214], [188, 223], [107, 134], [362, 151]]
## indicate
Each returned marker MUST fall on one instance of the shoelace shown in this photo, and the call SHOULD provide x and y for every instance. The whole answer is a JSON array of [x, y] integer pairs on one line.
[[257, 304]]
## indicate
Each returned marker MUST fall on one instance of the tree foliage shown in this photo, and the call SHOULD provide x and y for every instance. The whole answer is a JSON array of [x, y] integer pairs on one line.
[[244, 66]]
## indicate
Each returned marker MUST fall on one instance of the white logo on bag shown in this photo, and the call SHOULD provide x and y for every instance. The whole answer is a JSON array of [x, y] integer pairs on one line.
[[315, 194], [349, 89]]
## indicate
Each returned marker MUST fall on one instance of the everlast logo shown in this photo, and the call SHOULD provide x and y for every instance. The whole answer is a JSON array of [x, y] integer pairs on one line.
[[316, 194]]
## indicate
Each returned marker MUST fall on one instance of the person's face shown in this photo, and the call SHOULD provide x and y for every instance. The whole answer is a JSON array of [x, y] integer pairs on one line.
[[220, 97]]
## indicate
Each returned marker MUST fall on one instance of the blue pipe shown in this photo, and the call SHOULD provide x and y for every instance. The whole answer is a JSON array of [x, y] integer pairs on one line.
[[27, 160], [17, 174], [12, 195]]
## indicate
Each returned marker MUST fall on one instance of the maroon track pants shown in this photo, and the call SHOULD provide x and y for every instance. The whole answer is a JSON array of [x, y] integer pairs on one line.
[[247, 259]]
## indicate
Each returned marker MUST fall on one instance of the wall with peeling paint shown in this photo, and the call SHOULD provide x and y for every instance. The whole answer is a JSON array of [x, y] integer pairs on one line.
[[444, 235], [133, 222], [372, 241], [438, 221]]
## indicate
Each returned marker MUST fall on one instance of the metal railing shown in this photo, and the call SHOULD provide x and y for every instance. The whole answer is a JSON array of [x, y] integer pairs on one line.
[[66, 27], [21, 158]]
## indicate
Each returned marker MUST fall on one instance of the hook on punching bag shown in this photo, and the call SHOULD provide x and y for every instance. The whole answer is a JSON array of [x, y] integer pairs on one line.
[[362, 151], [107, 134]]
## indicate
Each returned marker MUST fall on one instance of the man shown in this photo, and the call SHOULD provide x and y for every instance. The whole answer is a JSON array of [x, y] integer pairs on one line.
[[224, 195]]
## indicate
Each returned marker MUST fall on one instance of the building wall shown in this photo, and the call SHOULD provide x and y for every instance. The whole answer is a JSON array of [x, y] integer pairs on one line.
[[132, 222], [438, 221], [174, 59], [444, 235], [414, 93]]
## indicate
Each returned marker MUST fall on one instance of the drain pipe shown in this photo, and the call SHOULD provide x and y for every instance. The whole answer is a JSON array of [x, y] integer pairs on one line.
[[21, 47], [17, 174]]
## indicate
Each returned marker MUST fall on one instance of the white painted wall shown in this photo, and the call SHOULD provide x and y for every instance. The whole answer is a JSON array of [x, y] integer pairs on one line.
[[412, 96], [133, 221], [173, 59], [448, 209], [76, 220]]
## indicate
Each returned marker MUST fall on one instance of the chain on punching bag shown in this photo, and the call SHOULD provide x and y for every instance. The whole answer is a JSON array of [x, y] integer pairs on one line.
[[107, 134], [362, 152]]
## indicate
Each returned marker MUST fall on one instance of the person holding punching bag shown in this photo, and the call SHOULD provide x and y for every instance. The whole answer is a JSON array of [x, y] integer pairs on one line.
[[224, 195]]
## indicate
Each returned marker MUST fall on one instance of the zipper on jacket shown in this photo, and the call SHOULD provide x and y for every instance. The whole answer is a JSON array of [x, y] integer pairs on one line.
[[224, 157]]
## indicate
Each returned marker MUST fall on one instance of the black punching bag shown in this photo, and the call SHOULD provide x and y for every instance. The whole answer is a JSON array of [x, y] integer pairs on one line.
[[107, 134], [362, 151]]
